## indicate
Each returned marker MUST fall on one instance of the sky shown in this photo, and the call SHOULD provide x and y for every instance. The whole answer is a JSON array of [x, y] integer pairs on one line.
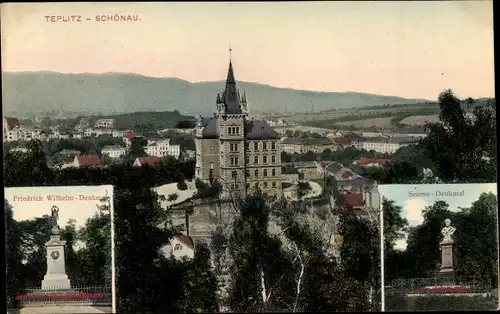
[[407, 196], [413, 49], [80, 210]]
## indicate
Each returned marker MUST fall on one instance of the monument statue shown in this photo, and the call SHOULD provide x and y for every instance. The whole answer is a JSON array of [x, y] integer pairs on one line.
[[447, 231], [55, 215], [56, 277], [446, 247]]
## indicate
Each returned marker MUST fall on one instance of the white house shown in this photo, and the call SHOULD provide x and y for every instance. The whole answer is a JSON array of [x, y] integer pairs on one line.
[[19, 149], [114, 151], [384, 145], [105, 123], [180, 246], [162, 148]]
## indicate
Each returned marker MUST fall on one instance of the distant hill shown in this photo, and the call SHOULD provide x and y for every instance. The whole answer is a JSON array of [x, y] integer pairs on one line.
[[29, 93]]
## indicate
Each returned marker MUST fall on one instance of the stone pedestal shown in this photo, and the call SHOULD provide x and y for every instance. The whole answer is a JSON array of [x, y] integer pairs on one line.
[[56, 277], [447, 270]]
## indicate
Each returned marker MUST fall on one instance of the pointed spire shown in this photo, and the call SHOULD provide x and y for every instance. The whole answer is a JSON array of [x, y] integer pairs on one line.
[[218, 99], [244, 97], [230, 74], [230, 96]]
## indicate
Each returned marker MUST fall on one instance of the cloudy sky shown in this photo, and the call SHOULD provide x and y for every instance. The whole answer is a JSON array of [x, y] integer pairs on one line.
[[404, 48], [405, 195], [25, 208]]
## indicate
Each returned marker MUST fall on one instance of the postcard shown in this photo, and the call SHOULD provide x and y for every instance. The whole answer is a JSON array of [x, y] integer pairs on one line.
[[441, 247]]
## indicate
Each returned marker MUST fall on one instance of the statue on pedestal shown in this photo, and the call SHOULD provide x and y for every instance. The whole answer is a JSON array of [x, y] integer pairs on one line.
[[56, 277], [446, 247]]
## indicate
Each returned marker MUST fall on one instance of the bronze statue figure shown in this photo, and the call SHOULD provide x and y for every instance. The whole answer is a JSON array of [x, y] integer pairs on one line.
[[55, 214]]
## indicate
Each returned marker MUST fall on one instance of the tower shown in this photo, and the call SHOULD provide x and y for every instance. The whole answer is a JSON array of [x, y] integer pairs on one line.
[[231, 116], [240, 153]]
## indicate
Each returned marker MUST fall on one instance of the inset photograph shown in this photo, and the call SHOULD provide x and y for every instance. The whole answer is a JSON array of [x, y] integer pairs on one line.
[[59, 249], [441, 247]]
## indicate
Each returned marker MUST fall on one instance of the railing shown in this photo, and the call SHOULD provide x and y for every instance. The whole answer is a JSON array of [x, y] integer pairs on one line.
[[79, 295], [457, 284]]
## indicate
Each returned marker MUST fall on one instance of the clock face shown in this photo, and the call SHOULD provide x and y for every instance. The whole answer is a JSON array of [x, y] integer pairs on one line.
[[55, 255]]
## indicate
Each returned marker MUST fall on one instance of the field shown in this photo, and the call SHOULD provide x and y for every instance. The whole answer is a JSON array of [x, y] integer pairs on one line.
[[419, 120], [368, 123], [377, 117]]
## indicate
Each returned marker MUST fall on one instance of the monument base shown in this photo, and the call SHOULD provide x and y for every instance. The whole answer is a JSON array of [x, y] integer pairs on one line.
[[447, 274], [55, 282]]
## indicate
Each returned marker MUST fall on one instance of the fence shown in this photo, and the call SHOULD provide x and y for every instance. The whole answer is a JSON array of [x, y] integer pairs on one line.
[[78, 295], [416, 285]]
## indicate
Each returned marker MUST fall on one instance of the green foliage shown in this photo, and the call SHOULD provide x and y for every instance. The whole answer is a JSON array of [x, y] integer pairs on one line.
[[344, 157], [475, 257], [182, 186], [139, 238], [303, 188], [460, 147], [201, 284]]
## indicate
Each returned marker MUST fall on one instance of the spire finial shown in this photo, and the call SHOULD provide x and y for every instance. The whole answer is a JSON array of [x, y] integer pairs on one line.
[[230, 50]]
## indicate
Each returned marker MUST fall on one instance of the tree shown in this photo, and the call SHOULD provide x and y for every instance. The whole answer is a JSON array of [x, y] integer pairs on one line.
[[200, 286], [172, 197], [303, 188], [14, 257], [462, 150]]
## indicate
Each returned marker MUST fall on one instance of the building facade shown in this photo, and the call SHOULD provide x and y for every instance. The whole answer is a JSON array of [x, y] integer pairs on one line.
[[12, 129], [105, 123], [162, 148], [239, 152], [114, 151]]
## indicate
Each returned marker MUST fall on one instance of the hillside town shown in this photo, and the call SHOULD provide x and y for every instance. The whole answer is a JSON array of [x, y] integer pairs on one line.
[[242, 152]]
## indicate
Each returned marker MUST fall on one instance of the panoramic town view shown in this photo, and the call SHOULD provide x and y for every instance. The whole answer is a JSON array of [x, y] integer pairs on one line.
[[247, 157]]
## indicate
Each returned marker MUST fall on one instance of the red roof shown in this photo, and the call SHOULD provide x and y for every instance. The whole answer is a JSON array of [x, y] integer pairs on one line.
[[12, 123], [347, 175], [367, 161], [352, 199], [341, 140], [129, 136], [148, 160], [186, 240], [89, 160]]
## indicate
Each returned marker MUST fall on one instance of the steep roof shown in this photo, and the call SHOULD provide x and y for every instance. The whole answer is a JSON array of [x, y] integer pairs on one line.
[[230, 95], [12, 122], [148, 160], [254, 130], [259, 130], [89, 160], [186, 240], [341, 140]]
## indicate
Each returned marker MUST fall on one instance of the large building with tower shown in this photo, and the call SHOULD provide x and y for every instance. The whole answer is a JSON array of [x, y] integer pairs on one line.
[[239, 152]]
